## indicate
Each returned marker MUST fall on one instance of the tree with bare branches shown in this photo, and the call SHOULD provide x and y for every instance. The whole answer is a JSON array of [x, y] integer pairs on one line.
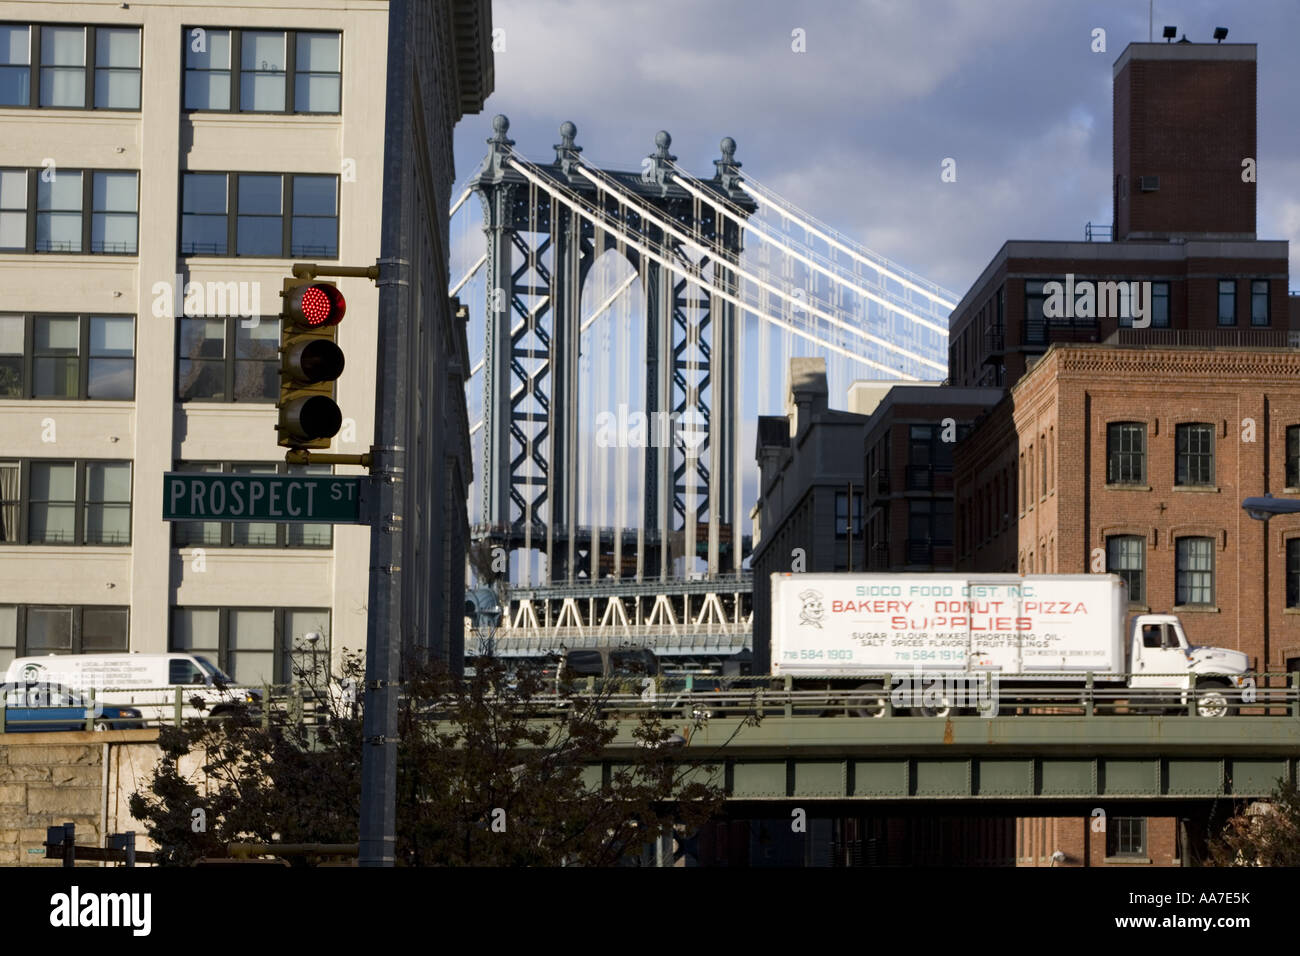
[[491, 772]]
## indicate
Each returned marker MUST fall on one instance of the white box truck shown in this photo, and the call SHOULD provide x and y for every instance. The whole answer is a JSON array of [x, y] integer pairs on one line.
[[1019, 631], [145, 681]]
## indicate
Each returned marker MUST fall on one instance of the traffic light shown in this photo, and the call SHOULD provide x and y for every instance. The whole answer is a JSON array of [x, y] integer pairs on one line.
[[310, 361]]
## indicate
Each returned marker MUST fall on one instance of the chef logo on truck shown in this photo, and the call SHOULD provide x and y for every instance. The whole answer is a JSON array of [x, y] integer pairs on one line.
[[812, 611]]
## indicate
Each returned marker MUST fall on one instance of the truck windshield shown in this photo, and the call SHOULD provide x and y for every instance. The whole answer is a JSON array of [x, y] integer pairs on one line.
[[214, 672]]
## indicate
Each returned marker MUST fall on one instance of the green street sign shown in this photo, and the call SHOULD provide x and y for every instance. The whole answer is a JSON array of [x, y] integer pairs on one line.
[[314, 498]]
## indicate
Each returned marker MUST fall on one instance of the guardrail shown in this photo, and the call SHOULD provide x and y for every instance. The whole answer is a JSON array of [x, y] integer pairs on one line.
[[295, 703], [971, 695], [909, 694]]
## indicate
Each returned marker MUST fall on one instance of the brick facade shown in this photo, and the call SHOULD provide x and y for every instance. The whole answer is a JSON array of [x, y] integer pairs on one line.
[[1038, 491], [1185, 114], [909, 481], [1083, 842]]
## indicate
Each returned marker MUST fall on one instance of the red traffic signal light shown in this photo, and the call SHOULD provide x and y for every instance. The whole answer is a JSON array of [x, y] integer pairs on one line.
[[310, 361], [315, 306]]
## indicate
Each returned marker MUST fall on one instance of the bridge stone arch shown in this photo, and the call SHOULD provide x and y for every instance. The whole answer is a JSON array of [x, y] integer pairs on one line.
[[539, 254]]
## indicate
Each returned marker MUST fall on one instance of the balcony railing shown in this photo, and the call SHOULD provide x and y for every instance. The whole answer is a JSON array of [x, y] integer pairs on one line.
[[879, 486], [995, 344], [1061, 330], [1206, 338], [1098, 232], [929, 478]]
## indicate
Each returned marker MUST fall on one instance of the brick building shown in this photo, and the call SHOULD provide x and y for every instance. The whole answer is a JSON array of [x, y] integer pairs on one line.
[[910, 438], [1184, 208], [1132, 430], [1137, 459], [808, 516]]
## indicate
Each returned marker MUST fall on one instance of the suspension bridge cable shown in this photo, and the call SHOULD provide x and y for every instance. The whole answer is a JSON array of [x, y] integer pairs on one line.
[[787, 209], [593, 216], [793, 300], [762, 234]]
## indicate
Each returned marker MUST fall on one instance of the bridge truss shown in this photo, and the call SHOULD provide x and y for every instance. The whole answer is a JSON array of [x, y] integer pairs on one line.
[[634, 326]]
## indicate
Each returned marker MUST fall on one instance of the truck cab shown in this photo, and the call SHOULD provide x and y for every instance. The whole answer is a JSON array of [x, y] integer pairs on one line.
[[1161, 656]]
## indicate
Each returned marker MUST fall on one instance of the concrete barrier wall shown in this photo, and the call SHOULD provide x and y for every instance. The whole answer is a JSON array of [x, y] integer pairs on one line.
[[48, 779]]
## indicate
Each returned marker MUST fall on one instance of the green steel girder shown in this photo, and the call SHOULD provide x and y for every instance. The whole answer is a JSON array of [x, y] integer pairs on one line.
[[1042, 759]]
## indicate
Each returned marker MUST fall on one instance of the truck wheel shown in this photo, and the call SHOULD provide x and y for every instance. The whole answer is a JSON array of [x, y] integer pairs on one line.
[[1213, 700], [942, 709], [874, 701]]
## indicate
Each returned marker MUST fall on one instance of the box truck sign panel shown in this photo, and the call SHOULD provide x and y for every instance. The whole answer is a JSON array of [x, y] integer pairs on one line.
[[828, 622]]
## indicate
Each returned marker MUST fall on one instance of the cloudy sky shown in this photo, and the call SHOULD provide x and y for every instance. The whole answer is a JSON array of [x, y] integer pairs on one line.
[[855, 129]]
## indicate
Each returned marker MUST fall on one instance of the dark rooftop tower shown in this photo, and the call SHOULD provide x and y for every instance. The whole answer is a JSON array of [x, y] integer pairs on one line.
[[1185, 119]]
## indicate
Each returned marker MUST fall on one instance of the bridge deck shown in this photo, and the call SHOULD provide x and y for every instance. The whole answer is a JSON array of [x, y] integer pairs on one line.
[[972, 759]]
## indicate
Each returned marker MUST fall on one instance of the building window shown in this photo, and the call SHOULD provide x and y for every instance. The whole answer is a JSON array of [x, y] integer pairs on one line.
[[1259, 302], [1029, 481], [929, 531], [1159, 305], [1126, 836], [1042, 447], [1126, 556], [207, 69], [13, 209], [117, 68], [1293, 456], [44, 501], [251, 534], [11, 502], [59, 203], [1292, 572], [107, 517], [75, 357], [1195, 454], [1126, 453], [1157, 308], [930, 451], [266, 59], [1227, 302], [1022, 483], [73, 211], [257, 645], [15, 65], [64, 66], [227, 360], [28, 630], [1195, 571], [259, 226], [317, 78], [1035, 332], [114, 222], [842, 514]]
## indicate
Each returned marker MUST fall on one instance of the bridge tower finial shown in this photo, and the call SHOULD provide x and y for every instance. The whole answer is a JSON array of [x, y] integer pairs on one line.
[[499, 145], [728, 167], [657, 167], [566, 152]]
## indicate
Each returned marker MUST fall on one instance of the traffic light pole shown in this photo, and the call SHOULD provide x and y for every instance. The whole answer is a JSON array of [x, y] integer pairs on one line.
[[378, 843], [386, 463]]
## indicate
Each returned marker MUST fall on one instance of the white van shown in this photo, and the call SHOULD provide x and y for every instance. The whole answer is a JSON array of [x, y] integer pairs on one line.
[[144, 681]]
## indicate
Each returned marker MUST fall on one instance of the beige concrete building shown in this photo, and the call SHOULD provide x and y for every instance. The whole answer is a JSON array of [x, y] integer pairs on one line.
[[153, 152]]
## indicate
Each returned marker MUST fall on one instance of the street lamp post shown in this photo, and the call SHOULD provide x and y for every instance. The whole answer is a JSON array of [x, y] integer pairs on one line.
[[1262, 509]]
